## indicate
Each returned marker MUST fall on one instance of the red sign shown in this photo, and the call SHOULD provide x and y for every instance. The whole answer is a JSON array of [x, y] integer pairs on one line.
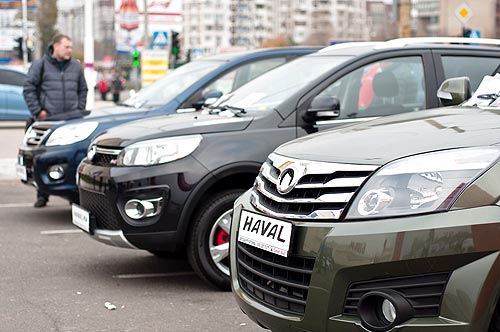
[[129, 15]]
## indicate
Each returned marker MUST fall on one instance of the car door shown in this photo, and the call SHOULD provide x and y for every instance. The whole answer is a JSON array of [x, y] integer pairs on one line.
[[11, 83], [382, 85]]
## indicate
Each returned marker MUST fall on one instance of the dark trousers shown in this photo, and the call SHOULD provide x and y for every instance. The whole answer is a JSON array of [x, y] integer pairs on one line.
[[41, 195], [116, 97], [104, 95]]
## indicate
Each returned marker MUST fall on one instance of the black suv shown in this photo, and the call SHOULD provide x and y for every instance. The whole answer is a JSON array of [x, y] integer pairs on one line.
[[167, 184]]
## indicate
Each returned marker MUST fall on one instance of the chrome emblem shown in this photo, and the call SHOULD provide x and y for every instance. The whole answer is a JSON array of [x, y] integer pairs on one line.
[[92, 151], [287, 181]]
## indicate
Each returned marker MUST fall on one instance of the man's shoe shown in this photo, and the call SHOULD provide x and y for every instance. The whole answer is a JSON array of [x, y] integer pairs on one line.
[[40, 203]]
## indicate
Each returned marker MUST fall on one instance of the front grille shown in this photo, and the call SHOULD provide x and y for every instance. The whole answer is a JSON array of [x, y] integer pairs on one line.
[[281, 283], [424, 292], [105, 156], [321, 190], [37, 133], [101, 208]]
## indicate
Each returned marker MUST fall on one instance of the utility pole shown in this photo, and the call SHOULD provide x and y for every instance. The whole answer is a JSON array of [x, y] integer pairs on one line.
[[88, 55], [146, 29], [24, 43], [404, 15]]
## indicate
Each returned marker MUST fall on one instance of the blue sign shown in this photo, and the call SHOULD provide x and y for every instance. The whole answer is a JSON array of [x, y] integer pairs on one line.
[[160, 39], [474, 34]]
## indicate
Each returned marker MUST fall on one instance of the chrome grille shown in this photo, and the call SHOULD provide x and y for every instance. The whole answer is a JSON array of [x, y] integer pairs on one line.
[[279, 282], [37, 133], [322, 189], [105, 156]]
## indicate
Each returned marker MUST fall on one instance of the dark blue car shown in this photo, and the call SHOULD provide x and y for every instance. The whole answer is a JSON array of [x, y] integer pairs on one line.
[[52, 150], [12, 105]]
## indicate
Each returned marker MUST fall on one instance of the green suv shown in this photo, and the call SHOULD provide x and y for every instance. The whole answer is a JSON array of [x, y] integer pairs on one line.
[[388, 225]]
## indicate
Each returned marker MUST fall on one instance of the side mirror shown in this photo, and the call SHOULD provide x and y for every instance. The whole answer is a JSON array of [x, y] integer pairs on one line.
[[323, 108], [207, 98], [454, 91], [132, 93]]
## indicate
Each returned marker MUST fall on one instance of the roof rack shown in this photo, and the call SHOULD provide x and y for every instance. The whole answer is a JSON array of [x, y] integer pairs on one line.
[[346, 45], [402, 42]]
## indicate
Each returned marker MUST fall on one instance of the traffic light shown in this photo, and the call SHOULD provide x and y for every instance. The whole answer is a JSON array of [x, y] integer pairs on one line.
[[176, 45], [136, 61], [18, 49]]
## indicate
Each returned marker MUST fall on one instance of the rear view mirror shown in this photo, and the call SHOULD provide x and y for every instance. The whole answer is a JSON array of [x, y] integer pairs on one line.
[[323, 108], [207, 98], [454, 91]]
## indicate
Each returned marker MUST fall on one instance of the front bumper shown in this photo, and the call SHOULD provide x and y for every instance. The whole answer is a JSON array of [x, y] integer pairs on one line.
[[461, 245], [104, 191], [39, 159]]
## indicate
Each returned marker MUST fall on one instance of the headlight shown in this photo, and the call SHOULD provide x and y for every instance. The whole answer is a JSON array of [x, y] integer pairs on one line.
[[71, 133], [158, 151], [422, 183]]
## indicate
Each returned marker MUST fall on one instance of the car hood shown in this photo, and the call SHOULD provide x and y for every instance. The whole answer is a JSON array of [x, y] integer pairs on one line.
[[112, 113], [168, 126], [380, 141]]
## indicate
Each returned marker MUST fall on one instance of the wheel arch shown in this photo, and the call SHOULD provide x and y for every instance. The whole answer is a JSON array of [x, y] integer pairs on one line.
[[234, 176]]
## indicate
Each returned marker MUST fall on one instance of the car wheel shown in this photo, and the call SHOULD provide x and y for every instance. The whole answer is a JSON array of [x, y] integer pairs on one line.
[[208, 243], [495, 320]]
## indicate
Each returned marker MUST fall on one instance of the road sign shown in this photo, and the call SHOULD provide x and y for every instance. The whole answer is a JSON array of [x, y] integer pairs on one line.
[[160, 39], [154, 65], [463, 13], [474, 34]]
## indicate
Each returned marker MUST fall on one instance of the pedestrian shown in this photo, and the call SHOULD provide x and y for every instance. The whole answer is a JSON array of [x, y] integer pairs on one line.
[[103, 87], [54, 85], [116, 85]]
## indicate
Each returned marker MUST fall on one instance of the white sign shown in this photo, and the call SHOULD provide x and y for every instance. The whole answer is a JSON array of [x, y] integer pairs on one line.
[[80, 217], [265, 233], [463, 13], [154, 65]]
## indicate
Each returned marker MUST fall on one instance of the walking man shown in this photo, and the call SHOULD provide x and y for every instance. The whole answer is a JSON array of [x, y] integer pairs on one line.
[[54, 85]]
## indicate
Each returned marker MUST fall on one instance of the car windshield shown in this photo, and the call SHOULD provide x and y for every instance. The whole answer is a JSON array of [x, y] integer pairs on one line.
[[168, 87], [272, 88]]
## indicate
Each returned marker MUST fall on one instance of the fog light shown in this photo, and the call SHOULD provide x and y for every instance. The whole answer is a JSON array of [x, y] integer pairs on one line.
[[142, 208], [389, 311], [56, 172], [382, 310]]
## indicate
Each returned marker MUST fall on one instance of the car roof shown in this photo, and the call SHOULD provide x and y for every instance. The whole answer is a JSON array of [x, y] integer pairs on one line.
[[12, 68], [260, 51], [358, 48]]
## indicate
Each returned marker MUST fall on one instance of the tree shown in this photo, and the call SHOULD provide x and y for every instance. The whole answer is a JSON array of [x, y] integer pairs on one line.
[[46, 18], [279, 41]]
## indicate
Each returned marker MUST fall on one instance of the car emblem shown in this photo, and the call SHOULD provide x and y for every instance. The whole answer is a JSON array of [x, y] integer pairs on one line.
[[92, 151], [287, 180]]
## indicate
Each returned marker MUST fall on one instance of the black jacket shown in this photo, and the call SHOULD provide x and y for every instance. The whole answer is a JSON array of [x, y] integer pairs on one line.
[[55, 88]]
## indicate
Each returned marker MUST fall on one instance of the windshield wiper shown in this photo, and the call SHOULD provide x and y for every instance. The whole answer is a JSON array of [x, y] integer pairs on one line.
[[236, 111], [489, 96]]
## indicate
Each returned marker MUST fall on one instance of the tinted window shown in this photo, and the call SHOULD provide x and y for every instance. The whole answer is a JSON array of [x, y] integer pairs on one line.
[[472, 66], [381, 88], [11, 77], [238, 77]]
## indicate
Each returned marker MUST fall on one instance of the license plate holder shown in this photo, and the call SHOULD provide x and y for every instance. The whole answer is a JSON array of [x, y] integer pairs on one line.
[[81, 218], [265, 232], [21, 172]]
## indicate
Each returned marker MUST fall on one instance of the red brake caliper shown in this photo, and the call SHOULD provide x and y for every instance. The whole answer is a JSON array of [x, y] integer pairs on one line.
[[221, 237]]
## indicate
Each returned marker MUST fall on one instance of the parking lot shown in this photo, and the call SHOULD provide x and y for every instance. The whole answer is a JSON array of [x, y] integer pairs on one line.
[[54, 278]]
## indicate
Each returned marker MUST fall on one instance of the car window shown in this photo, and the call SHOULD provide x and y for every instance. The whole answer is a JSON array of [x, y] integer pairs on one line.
[[168, 87], [380, 88], [474, 67], [11, 77], [273, 87], [241, 75]]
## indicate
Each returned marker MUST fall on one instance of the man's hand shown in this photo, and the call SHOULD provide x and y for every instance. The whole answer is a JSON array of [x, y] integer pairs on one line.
[[43, 115]]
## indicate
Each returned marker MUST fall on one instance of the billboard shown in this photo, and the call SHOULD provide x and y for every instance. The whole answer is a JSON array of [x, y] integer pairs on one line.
[[163, 15]]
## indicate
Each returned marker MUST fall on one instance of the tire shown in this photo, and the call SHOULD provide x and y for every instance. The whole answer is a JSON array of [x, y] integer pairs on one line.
[[495, 320], [208, 240]]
